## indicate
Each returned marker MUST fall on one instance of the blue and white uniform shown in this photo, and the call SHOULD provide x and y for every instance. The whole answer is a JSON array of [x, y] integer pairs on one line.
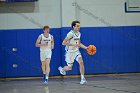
[[72, 52], [45, 51]]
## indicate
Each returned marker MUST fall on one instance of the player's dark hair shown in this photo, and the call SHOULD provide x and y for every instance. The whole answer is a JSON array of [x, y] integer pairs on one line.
[[74, 23]]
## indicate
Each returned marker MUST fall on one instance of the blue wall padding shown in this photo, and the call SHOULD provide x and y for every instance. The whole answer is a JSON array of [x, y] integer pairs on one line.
[[118, 51], [137, 48], [129, 50], [27, 56], [2, 56]]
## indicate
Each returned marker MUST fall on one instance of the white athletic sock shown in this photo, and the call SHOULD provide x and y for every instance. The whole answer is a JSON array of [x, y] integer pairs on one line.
[[82, 77], [47, 77]]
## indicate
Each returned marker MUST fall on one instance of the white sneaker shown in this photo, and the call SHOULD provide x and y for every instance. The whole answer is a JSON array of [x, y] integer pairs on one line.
[[46, 81], [61, 70], [83, 81]]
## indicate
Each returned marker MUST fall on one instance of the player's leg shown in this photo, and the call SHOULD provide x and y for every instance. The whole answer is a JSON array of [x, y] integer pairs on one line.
[[47, 70], [82, 70], [44, 69], [67, 68], [81, 64], [47, 65], [43, 64], [79, 59], [64, 69], [69, 58]]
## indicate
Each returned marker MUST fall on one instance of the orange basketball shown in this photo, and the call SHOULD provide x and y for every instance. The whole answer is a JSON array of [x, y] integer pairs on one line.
[[91, 49]]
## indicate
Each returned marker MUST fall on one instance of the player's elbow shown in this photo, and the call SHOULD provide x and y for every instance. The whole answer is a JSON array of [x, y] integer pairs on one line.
[[36, 45], [63, 43]]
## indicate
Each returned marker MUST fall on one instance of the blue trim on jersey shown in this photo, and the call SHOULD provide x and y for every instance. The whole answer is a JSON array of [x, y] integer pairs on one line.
[[77, 56]]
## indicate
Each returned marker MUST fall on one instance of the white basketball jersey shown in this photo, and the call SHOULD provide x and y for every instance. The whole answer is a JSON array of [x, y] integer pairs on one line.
[[45, 40], [74, 39]]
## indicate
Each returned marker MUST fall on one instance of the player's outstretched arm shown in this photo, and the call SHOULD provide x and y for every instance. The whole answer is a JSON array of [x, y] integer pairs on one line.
[[83, 46]]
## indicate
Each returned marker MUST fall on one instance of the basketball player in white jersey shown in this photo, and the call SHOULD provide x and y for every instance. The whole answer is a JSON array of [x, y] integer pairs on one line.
[[72, 43], [46, 43]]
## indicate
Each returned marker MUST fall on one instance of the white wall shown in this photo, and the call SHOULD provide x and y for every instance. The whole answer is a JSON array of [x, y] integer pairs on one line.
[[93, 13], [20, 15], [60, 13], [68, 12]]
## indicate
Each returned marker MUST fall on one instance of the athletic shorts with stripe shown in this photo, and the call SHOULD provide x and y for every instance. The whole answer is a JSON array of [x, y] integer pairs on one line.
[[45, 54], [71, 56]]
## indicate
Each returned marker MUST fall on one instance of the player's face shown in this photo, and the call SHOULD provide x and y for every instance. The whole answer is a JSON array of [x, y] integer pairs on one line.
[[77, 27], [46, 31]]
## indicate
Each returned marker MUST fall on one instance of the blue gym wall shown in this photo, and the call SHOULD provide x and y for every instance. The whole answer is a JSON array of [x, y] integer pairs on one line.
[[27, 55], [118, 51]]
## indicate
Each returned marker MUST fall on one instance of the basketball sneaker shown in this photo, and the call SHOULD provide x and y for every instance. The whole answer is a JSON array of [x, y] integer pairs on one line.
[[46, 81], [61, 70], [83, 81]]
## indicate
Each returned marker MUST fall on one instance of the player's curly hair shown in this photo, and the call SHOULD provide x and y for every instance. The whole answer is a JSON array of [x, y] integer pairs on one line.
[[74, 23]]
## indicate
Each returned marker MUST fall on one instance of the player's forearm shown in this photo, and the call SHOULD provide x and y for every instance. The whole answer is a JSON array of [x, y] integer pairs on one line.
[[37, 45], [67, 44], [83, 46], [52, 46]]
